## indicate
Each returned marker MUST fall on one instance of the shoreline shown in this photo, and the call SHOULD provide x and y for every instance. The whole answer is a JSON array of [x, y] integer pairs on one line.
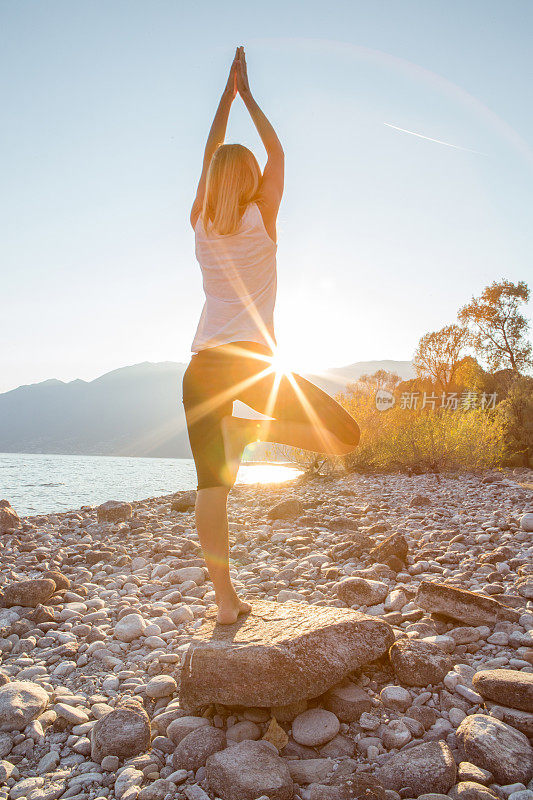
[[522, 477]]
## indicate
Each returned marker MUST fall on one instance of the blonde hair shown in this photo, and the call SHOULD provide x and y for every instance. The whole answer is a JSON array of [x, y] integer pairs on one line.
[[233, 178]]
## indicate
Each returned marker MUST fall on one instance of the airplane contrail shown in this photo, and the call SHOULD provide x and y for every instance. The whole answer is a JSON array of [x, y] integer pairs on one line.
[[437, 141]]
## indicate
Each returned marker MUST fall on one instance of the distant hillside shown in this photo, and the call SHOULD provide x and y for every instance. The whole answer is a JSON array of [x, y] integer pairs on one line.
[[132, 411], [338, 377]]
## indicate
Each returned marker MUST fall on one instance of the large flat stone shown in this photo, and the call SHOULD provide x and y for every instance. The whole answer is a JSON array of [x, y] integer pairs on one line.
[[508, 687], [467, 607], [278, 654]]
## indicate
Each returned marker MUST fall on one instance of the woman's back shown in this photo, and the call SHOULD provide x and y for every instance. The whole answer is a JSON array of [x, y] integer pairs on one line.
[[239, 278]]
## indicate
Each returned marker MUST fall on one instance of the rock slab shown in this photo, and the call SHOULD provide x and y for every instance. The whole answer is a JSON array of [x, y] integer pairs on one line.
[[278, 653], [467, 607]]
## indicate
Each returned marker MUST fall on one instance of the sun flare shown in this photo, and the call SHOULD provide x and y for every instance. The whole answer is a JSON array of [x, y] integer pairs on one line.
[[284, 362]]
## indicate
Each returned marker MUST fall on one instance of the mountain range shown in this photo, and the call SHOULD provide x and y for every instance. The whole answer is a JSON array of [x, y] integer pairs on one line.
[[131, 411]]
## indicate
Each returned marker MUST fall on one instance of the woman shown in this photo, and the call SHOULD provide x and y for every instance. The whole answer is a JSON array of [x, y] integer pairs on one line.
[[234, 219]]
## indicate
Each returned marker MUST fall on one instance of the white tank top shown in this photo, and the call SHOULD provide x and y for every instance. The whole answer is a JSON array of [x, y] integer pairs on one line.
[[240, 280]]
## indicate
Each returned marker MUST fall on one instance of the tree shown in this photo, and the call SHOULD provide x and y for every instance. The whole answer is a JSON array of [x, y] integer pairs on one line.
[[439, 353], [517, 409], [470, 376], [382, 379], [497, 329]]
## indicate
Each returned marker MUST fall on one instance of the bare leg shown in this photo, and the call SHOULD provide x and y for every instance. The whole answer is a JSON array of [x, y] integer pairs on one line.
[[239, 432], [212, 527]]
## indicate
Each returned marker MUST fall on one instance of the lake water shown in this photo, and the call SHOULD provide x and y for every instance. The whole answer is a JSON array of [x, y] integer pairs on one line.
[[43, 484]]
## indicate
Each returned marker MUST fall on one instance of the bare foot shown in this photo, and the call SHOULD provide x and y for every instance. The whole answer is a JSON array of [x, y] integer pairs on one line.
[[230, 608]]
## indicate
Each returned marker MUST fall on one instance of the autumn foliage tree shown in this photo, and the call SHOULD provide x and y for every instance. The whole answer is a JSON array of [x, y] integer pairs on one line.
[[497, 329], [439, 354], [382, 379]]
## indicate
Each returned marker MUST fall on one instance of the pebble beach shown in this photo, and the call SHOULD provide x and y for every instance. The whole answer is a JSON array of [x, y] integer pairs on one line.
[[388, 655]]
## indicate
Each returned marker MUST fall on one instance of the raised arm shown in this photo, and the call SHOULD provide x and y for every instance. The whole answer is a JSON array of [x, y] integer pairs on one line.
[[271, 190], [216, 136]]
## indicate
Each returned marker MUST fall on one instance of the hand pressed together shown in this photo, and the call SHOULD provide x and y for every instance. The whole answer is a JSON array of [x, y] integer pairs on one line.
[[238, 76]]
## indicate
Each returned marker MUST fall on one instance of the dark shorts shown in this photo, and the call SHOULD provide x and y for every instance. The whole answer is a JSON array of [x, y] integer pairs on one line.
[[217, 376]]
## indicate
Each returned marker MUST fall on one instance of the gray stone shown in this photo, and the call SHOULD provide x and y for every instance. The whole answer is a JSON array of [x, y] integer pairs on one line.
[[351, 787], [124, 732], [310, 770], [419, 663], [71, 714], [6, 770], [26, 787], [127, 783], [28, 593], [130, 627], [20, 703], [361, 592], [195, 792], [420, 500], [432, 796], [195, 574], [157, 790], [278, 654], [315, 727], [396, 734], [467, 607], [110, 763], [287, 509], [393, 546], [161, 686], [396, 697], [183, 501], [497, 747], [245, 729], [507, 687], [521, 720], [526, 521], [427, 767], [179, 728], [347, 701], [195, 748], [6, 743], [469, 790], [114, 511], [470, 772], [61, 581], [9, 519], [248, 770]]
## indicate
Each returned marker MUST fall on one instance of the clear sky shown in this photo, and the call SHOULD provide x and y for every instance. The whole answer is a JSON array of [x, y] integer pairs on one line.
[[382, 235]]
